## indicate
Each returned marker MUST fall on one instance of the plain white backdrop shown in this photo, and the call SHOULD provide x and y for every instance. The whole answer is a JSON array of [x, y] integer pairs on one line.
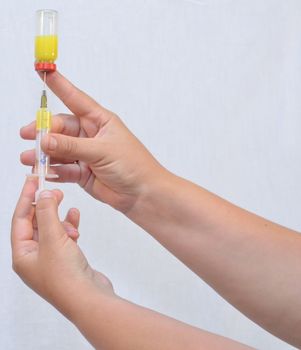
[[211, 87]]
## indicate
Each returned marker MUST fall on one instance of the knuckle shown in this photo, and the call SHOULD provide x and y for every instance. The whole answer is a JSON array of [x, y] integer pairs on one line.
[[69, 147]]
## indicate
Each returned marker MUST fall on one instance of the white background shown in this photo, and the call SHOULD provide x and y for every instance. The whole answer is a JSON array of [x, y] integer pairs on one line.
[[210, 87]]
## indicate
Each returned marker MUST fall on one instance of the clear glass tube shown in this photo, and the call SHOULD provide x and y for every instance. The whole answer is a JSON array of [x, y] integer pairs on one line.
[[46, 40], [46, 21]]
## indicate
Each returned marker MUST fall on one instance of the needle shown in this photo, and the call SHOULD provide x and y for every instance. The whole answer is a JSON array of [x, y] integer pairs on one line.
[[44, 79]]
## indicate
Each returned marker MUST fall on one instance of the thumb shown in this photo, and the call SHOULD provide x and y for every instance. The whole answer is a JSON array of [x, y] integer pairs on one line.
[[71, 148], [49, 225]]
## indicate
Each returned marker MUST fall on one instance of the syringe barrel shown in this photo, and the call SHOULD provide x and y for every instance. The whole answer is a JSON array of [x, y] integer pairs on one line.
[[43, 125], [46, 40], [42, 160]]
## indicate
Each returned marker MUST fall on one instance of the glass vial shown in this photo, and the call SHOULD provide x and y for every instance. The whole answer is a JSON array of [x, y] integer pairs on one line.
[[46, 40]]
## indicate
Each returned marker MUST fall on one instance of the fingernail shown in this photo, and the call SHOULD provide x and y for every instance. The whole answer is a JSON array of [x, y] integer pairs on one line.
[[46, 194], [52, 143], [71, 229]]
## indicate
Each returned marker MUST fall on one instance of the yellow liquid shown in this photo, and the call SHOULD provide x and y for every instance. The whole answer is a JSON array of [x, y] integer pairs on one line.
[[46, 48], [43, 119]]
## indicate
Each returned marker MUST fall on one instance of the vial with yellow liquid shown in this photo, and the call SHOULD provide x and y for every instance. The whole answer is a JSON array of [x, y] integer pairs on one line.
[[46, 40]]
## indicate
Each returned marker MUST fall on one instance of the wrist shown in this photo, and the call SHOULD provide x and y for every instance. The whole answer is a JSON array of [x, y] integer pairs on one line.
[[94, 314], [156, 194], [70, 293], [81, 296]]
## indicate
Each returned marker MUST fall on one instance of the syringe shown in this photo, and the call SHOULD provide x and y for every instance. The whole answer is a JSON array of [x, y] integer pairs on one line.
[[43, 125]]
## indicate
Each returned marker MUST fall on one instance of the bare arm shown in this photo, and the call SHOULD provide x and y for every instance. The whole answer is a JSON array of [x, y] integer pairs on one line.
[[252, 262], [118, 324], [48, 259]]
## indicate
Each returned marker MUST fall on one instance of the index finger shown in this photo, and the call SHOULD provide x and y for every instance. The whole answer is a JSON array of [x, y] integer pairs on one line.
[[76, 100], [61, 124]]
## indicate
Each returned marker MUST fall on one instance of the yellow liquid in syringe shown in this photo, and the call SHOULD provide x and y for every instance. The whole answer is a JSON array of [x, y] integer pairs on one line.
[[43, 120], [46, 48]]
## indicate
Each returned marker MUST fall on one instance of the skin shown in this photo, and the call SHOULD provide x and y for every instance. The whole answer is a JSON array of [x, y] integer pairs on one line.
[[50, 262], [251, 262], [45, 251]]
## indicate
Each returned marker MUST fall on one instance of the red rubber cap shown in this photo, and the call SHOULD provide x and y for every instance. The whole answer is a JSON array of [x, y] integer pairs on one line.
[[45, 67]]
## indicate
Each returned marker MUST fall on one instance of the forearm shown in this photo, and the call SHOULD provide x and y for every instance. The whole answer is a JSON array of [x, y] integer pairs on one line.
[[253, 263], [111, 323]]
